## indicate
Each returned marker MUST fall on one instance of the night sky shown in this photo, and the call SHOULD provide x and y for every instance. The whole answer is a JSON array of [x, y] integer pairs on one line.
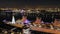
[[28, 3]]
